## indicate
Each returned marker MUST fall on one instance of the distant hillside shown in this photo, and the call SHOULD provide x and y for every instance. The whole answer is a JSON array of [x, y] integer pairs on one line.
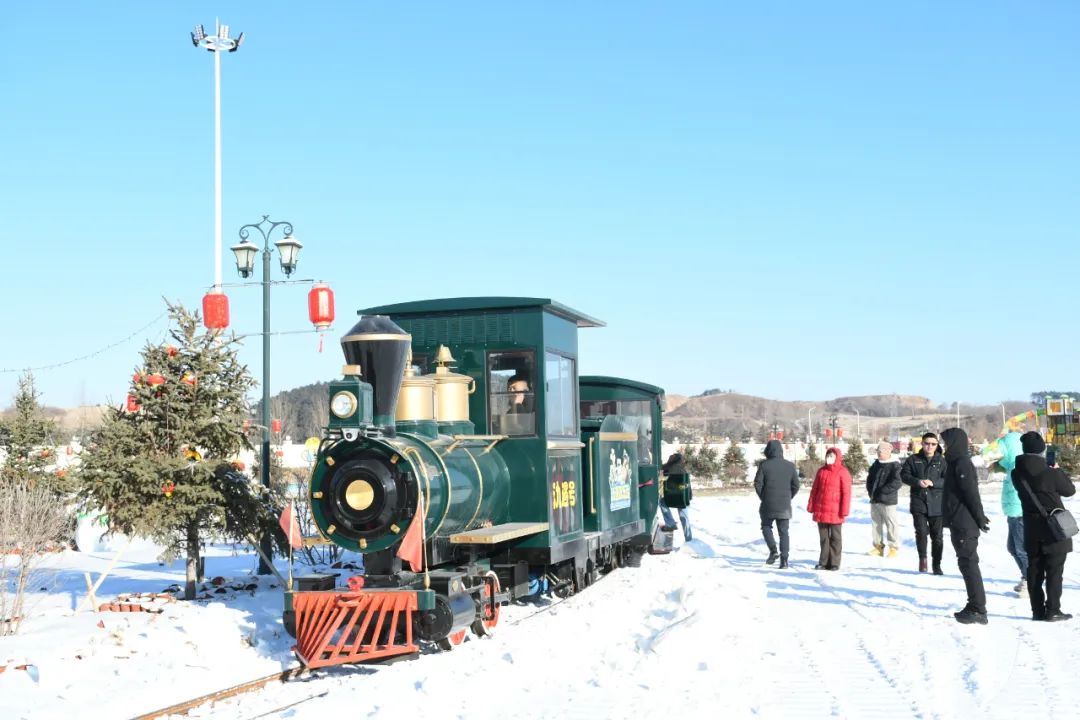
[[730, 414], [70, 422], [303, 411]]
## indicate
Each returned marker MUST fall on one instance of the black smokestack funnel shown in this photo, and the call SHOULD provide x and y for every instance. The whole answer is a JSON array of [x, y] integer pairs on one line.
[[380, 348]]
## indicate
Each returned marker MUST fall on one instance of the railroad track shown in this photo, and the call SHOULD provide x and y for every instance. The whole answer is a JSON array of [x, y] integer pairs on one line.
[[294, 673], [242, 689]]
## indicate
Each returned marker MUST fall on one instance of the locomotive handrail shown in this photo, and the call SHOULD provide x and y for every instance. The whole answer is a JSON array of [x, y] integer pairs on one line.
[[592, 477], [565, 444], [459, 439]]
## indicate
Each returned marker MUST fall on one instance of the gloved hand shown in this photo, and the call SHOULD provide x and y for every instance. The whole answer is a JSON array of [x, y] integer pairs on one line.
[[984, 524]]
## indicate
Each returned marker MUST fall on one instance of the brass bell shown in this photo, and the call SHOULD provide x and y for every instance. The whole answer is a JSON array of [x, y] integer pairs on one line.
[[443, 356]]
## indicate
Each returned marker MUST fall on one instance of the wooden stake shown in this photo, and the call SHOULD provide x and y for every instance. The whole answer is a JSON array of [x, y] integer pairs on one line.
[[258, 549], [101, 578], [90, 592]]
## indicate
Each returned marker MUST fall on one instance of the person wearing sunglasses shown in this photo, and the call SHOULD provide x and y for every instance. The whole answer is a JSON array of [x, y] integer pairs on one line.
[[924, 473]]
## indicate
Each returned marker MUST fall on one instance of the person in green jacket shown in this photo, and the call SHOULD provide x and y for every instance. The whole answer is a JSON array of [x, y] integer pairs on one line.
[[1010, 505]]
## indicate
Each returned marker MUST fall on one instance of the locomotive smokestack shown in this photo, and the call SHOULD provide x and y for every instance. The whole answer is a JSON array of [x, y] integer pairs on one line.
[[380, 348]]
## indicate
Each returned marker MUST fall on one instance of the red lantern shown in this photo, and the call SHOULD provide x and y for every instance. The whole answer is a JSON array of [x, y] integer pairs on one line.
[[839, 432], [320, 304], [215, 307], [828, 432], [280, 453], [168, 489], [138, 378], [188, 379], [133, 404], [171, 350], [70, 450], [155, 379], [780, 435], [275, 425], [772, 436]]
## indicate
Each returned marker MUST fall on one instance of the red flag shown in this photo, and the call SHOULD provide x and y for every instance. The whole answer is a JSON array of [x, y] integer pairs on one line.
[[411, 549], [291, 527]]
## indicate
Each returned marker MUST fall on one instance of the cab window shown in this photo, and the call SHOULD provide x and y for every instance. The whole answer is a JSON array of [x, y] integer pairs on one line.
[[512, 393], [560, 395]]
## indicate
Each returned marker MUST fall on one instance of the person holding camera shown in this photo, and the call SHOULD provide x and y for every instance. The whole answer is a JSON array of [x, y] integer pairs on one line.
[[964, 515], [1041, 488]]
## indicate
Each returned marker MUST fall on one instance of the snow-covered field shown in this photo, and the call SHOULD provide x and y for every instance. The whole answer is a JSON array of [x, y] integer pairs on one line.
[[708, 631]]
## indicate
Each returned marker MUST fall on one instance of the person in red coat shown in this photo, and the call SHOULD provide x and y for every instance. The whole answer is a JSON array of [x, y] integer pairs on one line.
[[830, 502]]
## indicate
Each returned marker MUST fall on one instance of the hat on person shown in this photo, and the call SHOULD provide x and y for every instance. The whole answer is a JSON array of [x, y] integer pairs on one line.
[[884, 447], [1032, 443]]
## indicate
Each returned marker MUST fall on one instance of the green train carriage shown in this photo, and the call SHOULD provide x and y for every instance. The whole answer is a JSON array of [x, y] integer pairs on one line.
[[527, 479]]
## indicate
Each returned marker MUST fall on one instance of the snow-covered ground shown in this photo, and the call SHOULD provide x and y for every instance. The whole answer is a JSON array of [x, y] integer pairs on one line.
[[708, 631]]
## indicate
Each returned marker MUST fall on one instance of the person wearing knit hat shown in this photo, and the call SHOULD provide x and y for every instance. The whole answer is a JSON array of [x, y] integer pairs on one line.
[[924, 473], [883, 486], [1032, 443], [1041, 485]]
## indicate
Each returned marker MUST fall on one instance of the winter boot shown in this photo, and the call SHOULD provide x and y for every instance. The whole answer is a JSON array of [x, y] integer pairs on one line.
[[783, 562], [923, 567], [1022, 592], [937, 569], [772, 557], [1057, 616], [969, 616], [877, 550], [893, 552]]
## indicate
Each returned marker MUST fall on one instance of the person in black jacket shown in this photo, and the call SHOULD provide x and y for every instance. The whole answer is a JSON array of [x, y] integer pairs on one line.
[[924, 473], [964, 515], [776, 482], [882, 485], [1046, 554]]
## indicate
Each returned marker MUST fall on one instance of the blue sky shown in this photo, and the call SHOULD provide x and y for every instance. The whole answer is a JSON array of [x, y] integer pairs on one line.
[[788, 199]]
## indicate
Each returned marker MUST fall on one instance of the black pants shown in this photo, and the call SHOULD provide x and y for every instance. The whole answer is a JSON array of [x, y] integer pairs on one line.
[[1048, 568], [767, 533], [926, 526], [831, 544], [967, 558]]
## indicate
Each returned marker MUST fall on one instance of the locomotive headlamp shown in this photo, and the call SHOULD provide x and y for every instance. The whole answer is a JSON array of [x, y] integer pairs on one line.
[[343, 404]]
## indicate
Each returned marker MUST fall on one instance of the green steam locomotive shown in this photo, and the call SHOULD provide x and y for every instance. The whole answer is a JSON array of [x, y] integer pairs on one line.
[[471, 466]]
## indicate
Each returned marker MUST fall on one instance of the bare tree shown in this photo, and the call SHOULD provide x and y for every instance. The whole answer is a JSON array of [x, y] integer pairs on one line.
[[32, 523]]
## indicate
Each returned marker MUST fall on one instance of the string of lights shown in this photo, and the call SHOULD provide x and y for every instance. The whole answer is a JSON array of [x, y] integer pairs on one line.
[[88, 355]]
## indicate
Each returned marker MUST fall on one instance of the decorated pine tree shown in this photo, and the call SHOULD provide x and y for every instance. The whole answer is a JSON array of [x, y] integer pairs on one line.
[[734, 464], [27, 440], [160, 466], [855, 459]]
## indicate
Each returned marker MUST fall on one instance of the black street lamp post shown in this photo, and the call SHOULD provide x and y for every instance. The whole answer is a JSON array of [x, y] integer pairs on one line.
[[288, 250]]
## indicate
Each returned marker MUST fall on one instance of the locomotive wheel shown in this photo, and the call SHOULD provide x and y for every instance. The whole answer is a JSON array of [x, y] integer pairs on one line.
[[485, 624], [452, 640]]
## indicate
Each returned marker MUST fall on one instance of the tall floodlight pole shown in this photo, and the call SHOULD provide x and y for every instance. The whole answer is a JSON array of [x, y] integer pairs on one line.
[[217, 43]]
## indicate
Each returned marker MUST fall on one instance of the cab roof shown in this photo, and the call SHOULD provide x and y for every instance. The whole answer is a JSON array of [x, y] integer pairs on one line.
[[475, 304]]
